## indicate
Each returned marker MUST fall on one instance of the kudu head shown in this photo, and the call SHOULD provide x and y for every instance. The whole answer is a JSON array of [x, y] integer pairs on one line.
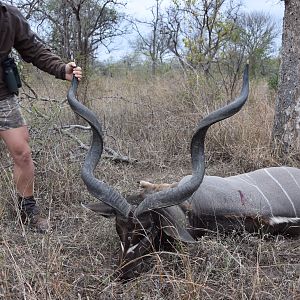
[[141, 227]]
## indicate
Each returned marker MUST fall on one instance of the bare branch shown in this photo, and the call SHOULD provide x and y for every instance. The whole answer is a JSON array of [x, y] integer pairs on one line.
[[111, 154]]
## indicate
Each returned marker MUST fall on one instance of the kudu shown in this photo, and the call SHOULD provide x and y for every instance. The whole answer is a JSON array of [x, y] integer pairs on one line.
[[266, 199]]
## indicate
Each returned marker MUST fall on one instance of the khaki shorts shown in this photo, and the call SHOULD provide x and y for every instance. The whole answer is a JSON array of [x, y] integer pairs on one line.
[[10, 113]]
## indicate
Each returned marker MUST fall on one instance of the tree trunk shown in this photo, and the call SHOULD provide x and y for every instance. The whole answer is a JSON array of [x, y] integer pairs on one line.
[[286, 128]]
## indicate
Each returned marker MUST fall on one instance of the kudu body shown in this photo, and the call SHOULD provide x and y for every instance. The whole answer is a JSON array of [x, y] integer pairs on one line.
[[266, 199]]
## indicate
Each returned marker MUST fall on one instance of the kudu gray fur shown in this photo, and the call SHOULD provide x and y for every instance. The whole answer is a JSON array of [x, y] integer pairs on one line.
[[267, 199]]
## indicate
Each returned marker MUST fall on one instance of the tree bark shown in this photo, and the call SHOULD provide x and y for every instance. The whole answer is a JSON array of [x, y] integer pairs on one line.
[[286, 128]]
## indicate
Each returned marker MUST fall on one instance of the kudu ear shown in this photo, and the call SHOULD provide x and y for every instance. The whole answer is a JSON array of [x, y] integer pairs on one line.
[[177, 232], [101, 208], [171, 225]]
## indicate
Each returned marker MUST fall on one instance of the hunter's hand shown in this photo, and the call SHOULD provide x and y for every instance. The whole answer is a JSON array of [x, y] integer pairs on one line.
[[72, 69]]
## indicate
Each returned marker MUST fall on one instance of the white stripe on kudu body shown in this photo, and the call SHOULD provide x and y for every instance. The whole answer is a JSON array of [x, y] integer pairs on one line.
[[294, 179], [260, 191], [284, 191]]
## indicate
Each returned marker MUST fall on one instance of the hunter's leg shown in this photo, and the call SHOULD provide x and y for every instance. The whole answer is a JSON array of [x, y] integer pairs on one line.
[[16, 140]]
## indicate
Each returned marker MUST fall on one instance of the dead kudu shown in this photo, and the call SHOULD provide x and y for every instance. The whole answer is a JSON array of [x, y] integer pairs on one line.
[[267, 199]]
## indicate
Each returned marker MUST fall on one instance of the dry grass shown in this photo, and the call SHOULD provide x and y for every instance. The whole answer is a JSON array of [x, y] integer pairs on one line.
[[150, 120]]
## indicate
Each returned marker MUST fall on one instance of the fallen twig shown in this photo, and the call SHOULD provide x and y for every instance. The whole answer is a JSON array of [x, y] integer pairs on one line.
[[67, 127], [35, 97], [111, 154]]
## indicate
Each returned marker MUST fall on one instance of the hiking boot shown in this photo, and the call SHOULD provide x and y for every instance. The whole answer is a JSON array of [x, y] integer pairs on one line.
[[30, 214]]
